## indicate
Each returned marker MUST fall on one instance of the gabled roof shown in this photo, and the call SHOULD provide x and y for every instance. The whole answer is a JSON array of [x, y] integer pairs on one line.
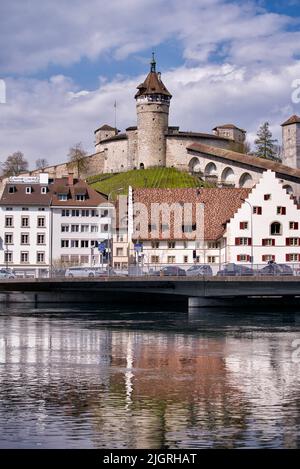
[[292, 120], [19, 196], [108, 128], [220, 204], [229, 126], [258, 163], [79, 187], [152, 85]]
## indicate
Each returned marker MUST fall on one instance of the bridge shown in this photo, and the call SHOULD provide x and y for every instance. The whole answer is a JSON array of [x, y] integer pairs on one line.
[[200, 292]]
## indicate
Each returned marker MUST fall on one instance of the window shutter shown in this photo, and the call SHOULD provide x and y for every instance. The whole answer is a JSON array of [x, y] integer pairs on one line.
[[259, 210], [273, 242], [249, 241], [264, 258], [296, 225], [241, 225], [237, 241], [248, 258], [273, 258], [287, 257], [287, 242], [238, 258], [264, 242], [283, 211]]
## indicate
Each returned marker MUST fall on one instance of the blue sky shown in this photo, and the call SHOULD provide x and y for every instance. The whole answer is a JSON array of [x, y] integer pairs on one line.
[[223, 60]]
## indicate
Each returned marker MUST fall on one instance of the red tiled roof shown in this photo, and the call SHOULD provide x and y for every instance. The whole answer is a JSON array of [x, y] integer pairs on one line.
[[220, 204], [292, 120], [93, 198], [19, 196], [152, 85], [254, 161]]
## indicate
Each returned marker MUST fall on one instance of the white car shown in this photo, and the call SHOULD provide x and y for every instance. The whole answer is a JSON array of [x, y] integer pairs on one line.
[[80, 272], [6, 273]]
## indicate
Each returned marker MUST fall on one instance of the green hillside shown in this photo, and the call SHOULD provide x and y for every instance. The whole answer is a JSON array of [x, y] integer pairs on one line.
[[158, 177]]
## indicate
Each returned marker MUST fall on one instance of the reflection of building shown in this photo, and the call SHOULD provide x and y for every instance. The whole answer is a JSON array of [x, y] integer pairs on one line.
[[240, 225]]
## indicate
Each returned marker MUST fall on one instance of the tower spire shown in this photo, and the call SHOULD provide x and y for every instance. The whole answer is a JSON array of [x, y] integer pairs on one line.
[[153, 63]]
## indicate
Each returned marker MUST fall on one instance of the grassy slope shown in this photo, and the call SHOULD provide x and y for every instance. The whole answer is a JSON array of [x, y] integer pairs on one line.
[[163, 178]]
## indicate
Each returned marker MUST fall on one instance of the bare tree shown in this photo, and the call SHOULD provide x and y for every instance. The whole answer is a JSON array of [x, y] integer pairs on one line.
[[41, 163], [78, 158], [14, 165]]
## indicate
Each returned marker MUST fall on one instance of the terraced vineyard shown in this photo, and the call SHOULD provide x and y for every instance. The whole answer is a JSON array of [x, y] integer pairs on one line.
[[158, 177]]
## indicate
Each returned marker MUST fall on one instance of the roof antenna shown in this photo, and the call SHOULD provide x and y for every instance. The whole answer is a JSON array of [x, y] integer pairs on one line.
[[153, 63]]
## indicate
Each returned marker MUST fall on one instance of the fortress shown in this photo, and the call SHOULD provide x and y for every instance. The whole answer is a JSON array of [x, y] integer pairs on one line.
[[218, 157]]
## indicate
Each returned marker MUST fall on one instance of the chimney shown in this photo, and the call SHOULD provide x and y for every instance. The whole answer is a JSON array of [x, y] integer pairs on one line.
[[70, 179]]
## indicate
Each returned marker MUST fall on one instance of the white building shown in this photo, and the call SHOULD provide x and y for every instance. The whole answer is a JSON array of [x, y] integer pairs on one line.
[[54, 223]]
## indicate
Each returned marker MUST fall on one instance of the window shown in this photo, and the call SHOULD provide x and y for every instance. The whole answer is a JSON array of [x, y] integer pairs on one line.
[[75, 213], [267, 197], [41, 209], [294, 225], [104, 228], [85, 213], [65, 228], [281, 210], [74, 228], [64, 243], [8, 238], [24, 238], [83, 244], [211, 259], [28, 190], [65, 213], [155, 259], [243, 241], [171, 260], [295, 257], [94, 213], [171, 245], [119, 252], [24, 258], [94, 243], [292, 241], [80, 197], [43, 190], [155, 244], [9, 221], [120, 238], [152, 227], [243, 225], [62, 197], [243, 258], [41, 222], [8, 256], [257, 210], [11, 189], [275, 228], [74, 260], [9, 209], [212, 245], [187, 229], [74, 243], [104, 213], [94, 228], [268, 242], [268, 258], [165, 228], [84, 259], [84, 228], [64, 259], [40, 239], [25, 209], [185, 259], [25, 222], [40, 257]]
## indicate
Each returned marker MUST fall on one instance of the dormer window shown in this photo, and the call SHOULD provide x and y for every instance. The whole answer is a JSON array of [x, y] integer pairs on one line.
[[11, 189], [28, 190], [62, 197], [80, 197], [43, 190]]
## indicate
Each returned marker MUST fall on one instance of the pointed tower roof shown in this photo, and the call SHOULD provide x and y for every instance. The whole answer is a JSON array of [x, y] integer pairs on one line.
[[292, 120], [152, 83]]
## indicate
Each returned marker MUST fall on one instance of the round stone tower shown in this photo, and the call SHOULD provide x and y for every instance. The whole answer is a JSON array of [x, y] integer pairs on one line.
[[152, 104]]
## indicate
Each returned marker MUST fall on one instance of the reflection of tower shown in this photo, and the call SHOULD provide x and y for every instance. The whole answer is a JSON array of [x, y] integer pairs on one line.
[[291, 142], [152, 104]]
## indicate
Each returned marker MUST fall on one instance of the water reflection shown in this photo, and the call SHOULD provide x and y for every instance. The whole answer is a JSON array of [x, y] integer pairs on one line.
[[148, 379]]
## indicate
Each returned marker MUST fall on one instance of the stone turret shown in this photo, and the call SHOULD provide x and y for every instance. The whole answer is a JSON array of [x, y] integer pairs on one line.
[[103, 133], [152, 104], [291, 142]]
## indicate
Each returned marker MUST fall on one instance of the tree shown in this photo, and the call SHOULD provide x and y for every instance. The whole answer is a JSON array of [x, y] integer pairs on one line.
[[265, 145], [14, 165], [78, 158], [247, 148], [41, 163]]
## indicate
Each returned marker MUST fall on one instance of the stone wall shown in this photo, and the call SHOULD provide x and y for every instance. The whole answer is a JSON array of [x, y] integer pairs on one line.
[[116, 156], [291, 145]]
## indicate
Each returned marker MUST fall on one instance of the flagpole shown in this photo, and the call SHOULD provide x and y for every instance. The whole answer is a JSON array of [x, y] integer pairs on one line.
[[115, 106]]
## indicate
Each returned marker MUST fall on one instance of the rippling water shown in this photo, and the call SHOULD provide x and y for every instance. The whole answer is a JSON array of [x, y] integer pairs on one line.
[[148, 379]]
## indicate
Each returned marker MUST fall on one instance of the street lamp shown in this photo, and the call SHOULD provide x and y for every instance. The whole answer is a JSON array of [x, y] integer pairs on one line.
[[251, 229]]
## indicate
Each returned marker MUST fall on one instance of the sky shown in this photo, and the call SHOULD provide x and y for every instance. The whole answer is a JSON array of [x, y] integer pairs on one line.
[[65, 63]]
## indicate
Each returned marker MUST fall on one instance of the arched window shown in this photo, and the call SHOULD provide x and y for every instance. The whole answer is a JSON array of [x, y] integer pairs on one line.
[[142, 166], [246, 180], [289, 189], [210, 169], [228, 176], [194, 165], [275, 228]]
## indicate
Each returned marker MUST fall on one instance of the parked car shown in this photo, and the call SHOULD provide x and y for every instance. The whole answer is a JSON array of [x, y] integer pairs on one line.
[[80, 272], [170, 271], [232, 270], [276, 269], [104, 272], [7, 273], [199, 270]]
